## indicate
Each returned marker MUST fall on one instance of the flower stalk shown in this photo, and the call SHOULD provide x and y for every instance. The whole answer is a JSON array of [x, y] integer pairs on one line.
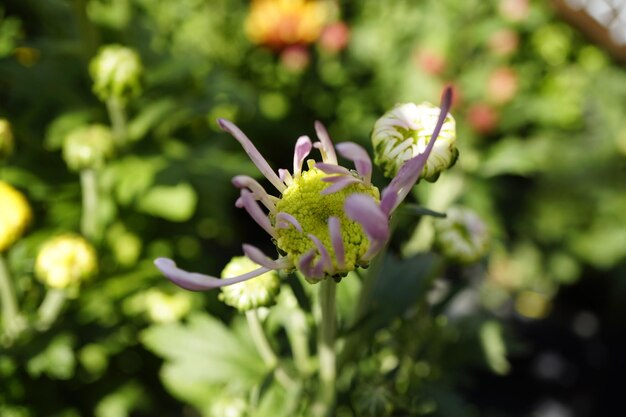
[[11, 321], [326, 347], [50, 308], [117, 115], [265, 350], [89, 220]]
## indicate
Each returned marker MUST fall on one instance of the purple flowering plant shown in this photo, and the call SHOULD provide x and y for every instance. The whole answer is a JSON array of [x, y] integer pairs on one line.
[[329, 219], [326, 222]]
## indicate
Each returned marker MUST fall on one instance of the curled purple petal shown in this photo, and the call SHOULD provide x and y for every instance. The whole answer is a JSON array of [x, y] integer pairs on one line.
[[339, 184], [244, 181], [334, 229], [252, 152], [194, 281], [411, 170], [283, 218], [253, 209], [332, 168], [318, 270], [305, 263], [257, 256], [388, 200], [325, 260], [303, 148], [285, 176], [364, 210], [326, 145], [359, 156]]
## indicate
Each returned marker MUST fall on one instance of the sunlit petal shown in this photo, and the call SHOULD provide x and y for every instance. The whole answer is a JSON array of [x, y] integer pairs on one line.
[[284, 219], [194, 281], [303, 148], [326, 145], [359, 156], [256, 255], [334, 228], [364, 210], [253, 153]]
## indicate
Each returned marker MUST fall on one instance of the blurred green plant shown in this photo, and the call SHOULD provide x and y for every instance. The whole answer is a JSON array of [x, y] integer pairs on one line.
[[542, 142]]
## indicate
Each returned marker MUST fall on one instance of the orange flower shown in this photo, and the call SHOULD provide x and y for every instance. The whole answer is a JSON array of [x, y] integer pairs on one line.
[[280, 23]]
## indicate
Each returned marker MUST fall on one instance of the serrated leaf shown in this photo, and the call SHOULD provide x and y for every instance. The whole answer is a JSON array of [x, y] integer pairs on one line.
[[202, 354]]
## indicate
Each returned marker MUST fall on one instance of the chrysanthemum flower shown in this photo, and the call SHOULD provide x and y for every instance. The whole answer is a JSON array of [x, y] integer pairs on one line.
[[15, 215], [327, 220], [280, 23]]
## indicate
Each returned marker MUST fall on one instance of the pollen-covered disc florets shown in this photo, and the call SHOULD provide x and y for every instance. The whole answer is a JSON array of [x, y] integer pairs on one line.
[[303, 199], [404, 132]]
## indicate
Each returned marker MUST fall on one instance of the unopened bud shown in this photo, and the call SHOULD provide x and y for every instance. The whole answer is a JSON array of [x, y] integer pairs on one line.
[[404, 132], [88, 147], [65, 260], [15, 215], [6, 139], [116, 72], [462, 236], [251, 294]]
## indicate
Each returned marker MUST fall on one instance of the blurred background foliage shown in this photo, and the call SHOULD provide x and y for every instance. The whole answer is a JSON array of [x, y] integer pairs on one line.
[[542, 141]]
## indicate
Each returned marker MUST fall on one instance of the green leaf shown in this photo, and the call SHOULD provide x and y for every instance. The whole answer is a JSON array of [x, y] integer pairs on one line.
[[494, 348], [131, 177], [62, 125], [203, 353], [57, 360], [175, 203], [150, 117], [518, 156], [398, 285]]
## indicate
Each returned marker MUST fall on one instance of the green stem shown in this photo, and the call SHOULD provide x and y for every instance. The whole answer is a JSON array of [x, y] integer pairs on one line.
[[365, 297], [50, 308], [89, 221], [11, 320], [266, 351], [117, 115], [326, 348], [298, 335]]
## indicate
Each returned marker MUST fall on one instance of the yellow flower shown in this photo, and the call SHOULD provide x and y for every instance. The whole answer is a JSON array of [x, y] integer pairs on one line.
[[65, 260], [280, 23], [15, 215]]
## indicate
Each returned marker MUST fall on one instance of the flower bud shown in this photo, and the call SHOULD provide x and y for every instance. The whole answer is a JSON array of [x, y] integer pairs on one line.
[[248, 295], [403, 133], [65, 260], [88, 147], [6, 139], [462, 236], [116, 72], [15, 215]]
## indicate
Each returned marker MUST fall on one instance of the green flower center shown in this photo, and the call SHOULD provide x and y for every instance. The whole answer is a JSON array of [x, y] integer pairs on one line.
[[304, 201]]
